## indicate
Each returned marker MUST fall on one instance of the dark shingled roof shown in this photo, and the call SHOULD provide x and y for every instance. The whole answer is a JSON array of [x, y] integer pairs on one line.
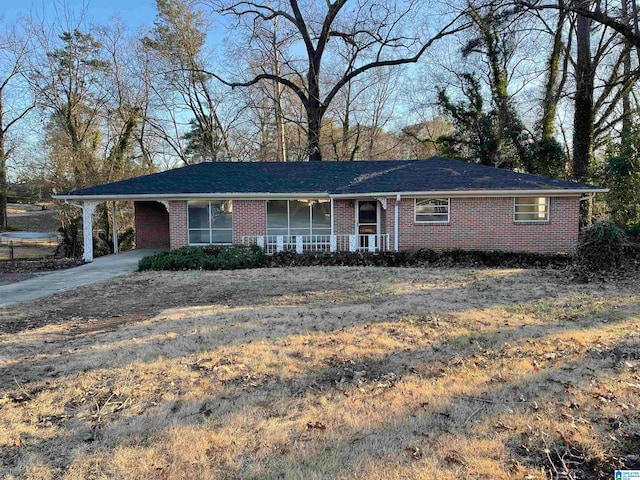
[[433, 174]]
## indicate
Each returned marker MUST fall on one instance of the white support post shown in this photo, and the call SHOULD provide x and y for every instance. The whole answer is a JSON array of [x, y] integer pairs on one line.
[[371, 243], [260, 241], [396, 222], [299, 245], [332, 221], [279, 243], [333, 243], [88, 208], [353, 243], [114, 229]]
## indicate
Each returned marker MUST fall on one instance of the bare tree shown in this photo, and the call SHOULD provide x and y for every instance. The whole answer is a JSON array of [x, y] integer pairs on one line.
[[178, 39], [384, 34], [13, 50]]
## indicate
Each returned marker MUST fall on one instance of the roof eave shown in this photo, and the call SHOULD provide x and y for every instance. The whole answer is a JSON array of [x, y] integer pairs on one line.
[[557, 192], [188, 196]]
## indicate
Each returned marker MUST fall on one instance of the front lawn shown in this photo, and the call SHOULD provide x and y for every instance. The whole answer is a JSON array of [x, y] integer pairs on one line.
[[324, 372]]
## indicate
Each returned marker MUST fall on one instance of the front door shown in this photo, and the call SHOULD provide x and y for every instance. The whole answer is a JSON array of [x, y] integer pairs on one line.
[[367, 223]]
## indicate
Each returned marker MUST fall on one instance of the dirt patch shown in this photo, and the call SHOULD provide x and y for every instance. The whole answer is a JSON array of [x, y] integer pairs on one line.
[[327, 372], [21, 266]]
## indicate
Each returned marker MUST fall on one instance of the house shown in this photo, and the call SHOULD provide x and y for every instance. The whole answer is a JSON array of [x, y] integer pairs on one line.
[[435, 203]]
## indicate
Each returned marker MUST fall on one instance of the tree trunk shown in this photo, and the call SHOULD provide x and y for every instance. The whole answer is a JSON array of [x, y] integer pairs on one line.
[[314, 122], [583, 107], [281, 139], [626, 65], [550, 101], [313, 135]]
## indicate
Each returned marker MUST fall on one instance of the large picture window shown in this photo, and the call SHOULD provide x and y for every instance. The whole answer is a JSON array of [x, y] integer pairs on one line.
[[298, 217], [210, 222], [432, 210], [531, 209]]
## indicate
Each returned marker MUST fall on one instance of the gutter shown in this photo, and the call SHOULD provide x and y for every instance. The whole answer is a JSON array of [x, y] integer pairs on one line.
[[312, 195]]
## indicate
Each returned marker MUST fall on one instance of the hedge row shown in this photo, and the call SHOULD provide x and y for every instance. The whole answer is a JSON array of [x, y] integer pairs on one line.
[[230, 258], [205, 258]]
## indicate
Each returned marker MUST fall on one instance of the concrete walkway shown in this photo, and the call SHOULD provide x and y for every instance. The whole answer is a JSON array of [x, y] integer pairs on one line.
[[102, 268]]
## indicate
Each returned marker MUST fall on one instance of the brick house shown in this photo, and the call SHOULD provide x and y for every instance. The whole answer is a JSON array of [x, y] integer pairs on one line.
[[436, 203]]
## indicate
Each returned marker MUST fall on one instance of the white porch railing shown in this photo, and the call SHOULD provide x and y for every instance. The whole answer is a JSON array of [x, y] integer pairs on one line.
[[319, 243]]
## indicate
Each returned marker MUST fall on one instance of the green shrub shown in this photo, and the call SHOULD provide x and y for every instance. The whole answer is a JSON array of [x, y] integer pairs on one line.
[[419, 258], [633, 230], [229, 258], [205, 258], [601, 246]]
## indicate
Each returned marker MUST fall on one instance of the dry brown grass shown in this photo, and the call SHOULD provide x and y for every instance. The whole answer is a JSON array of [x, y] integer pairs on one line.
[[314, 373]]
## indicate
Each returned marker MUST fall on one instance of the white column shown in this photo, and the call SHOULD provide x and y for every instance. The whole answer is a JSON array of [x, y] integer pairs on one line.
[[396, 229], [114, 229], [260, 241], [299, 245], [279, 243], [333, 243], [88, 208]]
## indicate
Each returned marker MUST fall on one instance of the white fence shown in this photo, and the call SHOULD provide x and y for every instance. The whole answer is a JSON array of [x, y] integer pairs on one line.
[[319, 243]]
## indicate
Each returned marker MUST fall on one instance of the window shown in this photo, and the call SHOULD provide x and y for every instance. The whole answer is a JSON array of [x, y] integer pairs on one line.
[[210, 222], [531, 209], [298, 217], [432, 210]]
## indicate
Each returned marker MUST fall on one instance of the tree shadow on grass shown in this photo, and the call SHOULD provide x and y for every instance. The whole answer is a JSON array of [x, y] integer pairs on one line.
[[180, 333], [144, 295], [332, 448]]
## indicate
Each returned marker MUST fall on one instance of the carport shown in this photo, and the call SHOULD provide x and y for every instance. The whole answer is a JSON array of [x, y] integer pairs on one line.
[[151, 221]]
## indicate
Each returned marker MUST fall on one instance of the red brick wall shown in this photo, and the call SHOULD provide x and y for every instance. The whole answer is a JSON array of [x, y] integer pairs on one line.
[[249, 218], [475, 224], [389, 221], [151, 225], [343, 217], [488, 224], [178, 223]]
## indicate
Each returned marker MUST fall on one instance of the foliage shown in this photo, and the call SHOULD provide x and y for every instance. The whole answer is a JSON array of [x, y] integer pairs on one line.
[[226, 258], [103, 242], [205, 258], [480, 136], [621, 174], [70, 246], [601, 246]]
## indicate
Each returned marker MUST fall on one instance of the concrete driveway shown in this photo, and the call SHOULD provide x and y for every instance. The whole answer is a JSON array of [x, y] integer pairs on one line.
[[102, 268]]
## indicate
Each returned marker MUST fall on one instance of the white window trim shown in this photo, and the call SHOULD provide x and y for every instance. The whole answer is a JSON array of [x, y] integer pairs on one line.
[[431, 222], [547, 209], [210, 230]]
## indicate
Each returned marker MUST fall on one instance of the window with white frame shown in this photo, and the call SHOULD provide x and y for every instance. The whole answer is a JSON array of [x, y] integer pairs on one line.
[[298, 217], [432, 210], [531, 209], [210, 222]]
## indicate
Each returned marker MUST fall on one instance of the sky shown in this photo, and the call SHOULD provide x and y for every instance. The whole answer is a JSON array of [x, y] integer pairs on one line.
[[132, 12]]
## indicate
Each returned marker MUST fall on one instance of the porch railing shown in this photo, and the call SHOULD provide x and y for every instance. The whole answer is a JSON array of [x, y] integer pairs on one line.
[[319, 243]]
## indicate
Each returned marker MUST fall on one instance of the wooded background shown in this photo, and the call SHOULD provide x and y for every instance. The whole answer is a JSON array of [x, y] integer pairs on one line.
[[539, 86]]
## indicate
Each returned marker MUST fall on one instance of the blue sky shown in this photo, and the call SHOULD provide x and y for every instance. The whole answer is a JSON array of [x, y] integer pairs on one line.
[[133, 12]]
